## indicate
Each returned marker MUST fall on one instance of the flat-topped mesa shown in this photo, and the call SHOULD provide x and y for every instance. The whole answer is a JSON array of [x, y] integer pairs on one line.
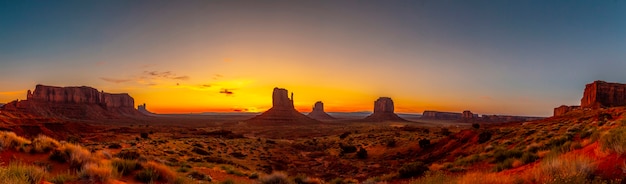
[[75, 102], [563, 109], [79, 95], [441, 115], [318, 112], [383, 111], [282, 112], [600, 94], [281, 100]]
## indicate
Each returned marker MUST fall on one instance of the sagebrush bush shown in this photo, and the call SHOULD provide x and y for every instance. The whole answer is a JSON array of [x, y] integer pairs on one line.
[[11, 140], [153, 171], [62, 178], [96, 172], [42, 144], [412, 169], [614, 140], [20, 173], [275, 178], [124, 166]]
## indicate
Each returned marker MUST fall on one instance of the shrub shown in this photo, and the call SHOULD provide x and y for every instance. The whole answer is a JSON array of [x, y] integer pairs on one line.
[[153, 171], [528, 157], [254, 176], [124, 166], [424, 143], [475, 125], [564, 170], [390, 142], [143, 135], [615, 140], [275, 178], [484, 137], [76, 155], [62, 178], [128, 154], [96, 172], [434, 177], [501, 155], [11, 140], [362, 153], [445, 131], [506, 164], [347, 149], [42, 144], [412, 169], [19, 173], [114, 146], [228, 181], [199, 176]]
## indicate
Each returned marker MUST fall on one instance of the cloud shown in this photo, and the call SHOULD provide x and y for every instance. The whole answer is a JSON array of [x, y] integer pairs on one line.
[[165, 75], [227, 92], [116, 81]]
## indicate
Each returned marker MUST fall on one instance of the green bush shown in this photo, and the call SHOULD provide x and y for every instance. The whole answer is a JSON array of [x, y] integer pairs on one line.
[[412, 169]]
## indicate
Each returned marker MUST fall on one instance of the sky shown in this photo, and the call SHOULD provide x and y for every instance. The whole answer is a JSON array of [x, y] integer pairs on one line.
[[491, 57]]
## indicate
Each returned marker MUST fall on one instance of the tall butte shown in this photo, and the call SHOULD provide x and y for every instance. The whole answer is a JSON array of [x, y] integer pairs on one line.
[[383, 111], [282, 112], [318, 112]]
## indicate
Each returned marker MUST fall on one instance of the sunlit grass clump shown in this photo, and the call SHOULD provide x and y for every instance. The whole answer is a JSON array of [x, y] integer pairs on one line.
[[9, 140], [19, 173]]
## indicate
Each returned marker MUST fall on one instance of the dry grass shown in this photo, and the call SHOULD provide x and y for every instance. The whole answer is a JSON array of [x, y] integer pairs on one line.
[[153, 171], [42, 144], [564, 168], [97, 172], [19, 173], [11, 140], [275, 178]]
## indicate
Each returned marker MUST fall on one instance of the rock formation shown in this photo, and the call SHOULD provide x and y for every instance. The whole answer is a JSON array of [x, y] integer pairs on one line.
[[441, 115], [600, 94], [564, 109], [74, 102], [282, 112], [467, 115], [318, 112], [383, 111]]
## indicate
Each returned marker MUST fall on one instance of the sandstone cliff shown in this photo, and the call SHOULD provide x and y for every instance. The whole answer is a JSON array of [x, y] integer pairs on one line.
[[383, 111], [601, 94], [563, 109], [282, 112], [74, 102], [318, 112], [467, 115]]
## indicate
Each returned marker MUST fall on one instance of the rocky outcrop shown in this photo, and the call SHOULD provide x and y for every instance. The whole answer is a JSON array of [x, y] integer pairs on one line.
[[74, 102], [563, 109], [467, 115], [441, 115], [282, 112], [318, 112], [383, 111], [600, 94]]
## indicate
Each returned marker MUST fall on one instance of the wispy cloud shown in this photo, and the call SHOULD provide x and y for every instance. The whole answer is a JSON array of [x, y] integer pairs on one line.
[[116, 81], [227, 92], [165, 75]]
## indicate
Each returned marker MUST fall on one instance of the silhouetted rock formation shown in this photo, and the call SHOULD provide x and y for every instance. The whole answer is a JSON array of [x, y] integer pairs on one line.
[[600, 94], [282, 112], [441, 115], [468, 115], [383, 111], [74, 102], [144, 110], [564, 109], [318, 112]]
